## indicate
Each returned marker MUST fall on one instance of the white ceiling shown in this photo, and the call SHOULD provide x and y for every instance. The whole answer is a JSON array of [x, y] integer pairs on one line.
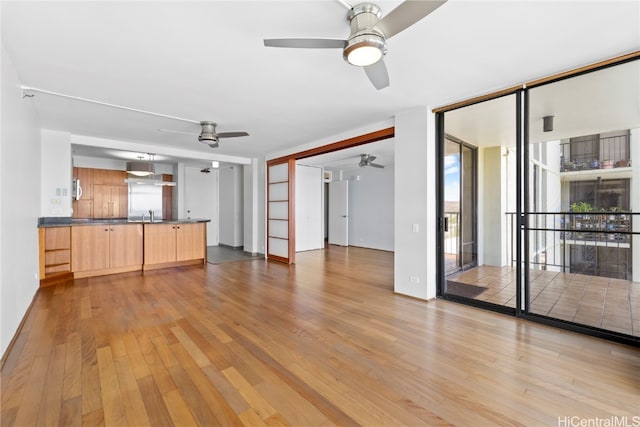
[[205, 60]]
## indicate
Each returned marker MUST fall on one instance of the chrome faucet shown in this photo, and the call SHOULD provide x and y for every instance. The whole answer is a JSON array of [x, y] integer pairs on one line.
[[151, 215]]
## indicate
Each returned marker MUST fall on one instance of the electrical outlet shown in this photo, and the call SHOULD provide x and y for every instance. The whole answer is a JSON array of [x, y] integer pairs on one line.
[[414, 279]]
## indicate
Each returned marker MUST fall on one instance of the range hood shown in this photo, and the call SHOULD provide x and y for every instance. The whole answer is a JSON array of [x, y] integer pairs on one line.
[[144, 173]]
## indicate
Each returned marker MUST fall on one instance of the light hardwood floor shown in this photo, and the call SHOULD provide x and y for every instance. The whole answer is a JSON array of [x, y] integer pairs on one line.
[[324, 342]]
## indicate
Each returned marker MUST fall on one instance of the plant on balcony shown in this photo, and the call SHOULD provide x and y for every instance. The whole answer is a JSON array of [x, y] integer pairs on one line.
[[581, 207]]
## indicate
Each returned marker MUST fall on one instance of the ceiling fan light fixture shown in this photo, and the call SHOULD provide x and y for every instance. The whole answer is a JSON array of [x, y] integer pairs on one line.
[[208, 134], [365, 49], [140, 168]]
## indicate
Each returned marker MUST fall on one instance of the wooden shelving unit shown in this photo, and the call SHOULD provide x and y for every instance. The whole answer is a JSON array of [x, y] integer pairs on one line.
[[55, 254]]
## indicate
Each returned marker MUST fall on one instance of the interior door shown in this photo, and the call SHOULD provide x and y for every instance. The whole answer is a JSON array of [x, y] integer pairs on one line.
[[201, 200], [339, 213]]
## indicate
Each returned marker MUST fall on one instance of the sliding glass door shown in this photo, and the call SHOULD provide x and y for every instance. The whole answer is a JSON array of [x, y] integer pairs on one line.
[[539, 213], [478, 203], [460, 206], [583, 224]]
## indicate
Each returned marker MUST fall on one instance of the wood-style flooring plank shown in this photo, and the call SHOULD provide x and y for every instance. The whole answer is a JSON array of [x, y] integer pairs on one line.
[[71, 412], [72, 385], [178, 409], [325, 342], [52, 391], [132, 395], [112, 404], [28, 411]]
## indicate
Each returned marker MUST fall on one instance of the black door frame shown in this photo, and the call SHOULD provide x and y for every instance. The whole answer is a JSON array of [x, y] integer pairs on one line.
[[440, 226], [522, 309]]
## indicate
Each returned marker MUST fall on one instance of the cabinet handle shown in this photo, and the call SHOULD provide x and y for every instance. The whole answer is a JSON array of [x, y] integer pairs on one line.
[[106, 229]]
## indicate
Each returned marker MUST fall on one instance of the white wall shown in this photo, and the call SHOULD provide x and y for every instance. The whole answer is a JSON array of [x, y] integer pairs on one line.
[[415, 204], [309, 214], [55, 168], [371, 207], [491, 207], [19, 202], [251, 194], [231, 205], [262, 205]]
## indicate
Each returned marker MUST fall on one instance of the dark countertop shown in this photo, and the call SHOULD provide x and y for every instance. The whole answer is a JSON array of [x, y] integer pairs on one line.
[[65, 221]]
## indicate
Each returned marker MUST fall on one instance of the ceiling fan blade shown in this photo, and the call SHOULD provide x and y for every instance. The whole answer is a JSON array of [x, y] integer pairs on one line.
[[177, 131], [378, 74], [375, 165], [231, 134], [405, 15], [306, 43]]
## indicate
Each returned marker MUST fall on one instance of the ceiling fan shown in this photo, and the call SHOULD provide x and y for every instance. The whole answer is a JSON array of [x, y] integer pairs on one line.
[[367, 160], [208, 135], [367, 42]]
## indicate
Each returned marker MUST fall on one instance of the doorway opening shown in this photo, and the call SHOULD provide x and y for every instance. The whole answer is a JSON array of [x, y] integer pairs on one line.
[[460, 195], [281, 193]]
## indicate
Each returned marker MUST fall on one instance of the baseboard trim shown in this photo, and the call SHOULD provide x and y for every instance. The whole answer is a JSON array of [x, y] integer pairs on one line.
[[235, 248], [5, 356], [149, 267]]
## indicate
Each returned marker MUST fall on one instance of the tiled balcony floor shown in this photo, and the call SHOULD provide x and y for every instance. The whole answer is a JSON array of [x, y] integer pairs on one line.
[[611, 304]]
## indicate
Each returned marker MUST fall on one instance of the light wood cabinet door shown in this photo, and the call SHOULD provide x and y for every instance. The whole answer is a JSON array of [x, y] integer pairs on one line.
[[110, 201], [83, 208], [159, 243], [123, 201], [89, 247], [125, 243], [108, 177], [189, 241], [101, 198]]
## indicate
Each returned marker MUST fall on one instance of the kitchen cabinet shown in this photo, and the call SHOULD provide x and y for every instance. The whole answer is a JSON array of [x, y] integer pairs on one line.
[[110, 201], [83, 209], [55, 253], [106, 249], [174, 243], [108, 177], [190, 241], [104, 194]]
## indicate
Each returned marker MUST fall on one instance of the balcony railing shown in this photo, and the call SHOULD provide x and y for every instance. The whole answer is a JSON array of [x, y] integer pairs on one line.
[[603, 153], [598, 243]]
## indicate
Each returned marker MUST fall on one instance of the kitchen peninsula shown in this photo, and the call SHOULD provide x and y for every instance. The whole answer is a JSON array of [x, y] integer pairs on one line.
[[78, 248]]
